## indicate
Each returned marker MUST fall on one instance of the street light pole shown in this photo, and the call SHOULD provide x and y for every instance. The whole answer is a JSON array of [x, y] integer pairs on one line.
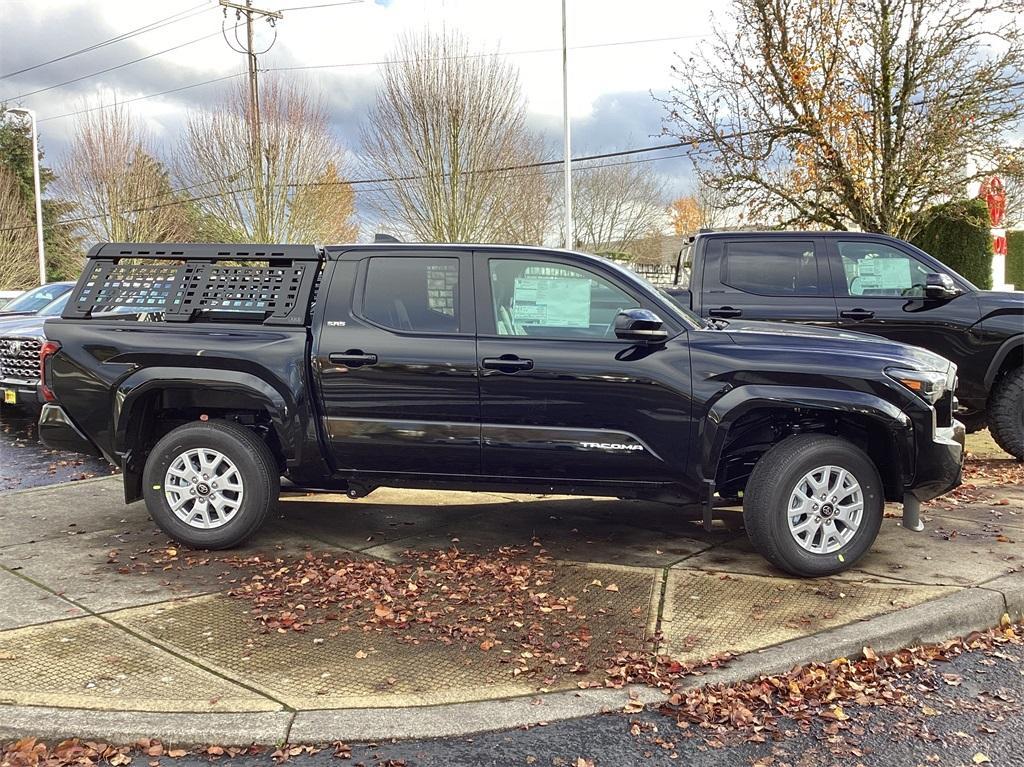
[[39, 198], [570, 237]]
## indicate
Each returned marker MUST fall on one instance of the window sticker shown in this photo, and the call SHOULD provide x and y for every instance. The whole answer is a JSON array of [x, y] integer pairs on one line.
[[885, 273], [554, 302]]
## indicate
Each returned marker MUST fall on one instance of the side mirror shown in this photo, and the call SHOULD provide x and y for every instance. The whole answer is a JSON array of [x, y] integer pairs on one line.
[[939, 286], [641, 326]]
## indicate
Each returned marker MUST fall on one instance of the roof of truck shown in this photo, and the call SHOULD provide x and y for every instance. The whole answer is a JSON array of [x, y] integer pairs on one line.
[[790, 233], [335, 251]]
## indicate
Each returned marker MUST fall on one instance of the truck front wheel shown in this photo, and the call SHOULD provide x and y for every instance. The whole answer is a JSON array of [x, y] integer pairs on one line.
[[1006, 413], [210, 485], [813, 505]]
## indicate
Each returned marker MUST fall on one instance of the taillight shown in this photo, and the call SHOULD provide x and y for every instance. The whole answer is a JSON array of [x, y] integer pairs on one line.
[[48, 349]]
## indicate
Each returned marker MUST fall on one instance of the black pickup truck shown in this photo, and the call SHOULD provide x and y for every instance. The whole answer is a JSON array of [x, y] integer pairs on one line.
[[481, 367], [872, 284]]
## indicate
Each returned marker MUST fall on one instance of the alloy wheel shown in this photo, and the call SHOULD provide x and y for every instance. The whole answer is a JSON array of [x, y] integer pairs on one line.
[[825, 509], [203, 488]]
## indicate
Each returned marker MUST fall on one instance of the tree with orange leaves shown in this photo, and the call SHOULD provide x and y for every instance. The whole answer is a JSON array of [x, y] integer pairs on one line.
[[852, 113], [685, 214]]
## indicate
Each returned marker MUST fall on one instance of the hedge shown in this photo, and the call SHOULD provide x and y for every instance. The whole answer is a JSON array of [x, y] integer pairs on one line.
[[958, 234], [1015, 258]]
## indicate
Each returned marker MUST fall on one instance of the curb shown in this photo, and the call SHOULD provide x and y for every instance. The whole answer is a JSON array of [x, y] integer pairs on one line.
[[956, 614], [56, 724]]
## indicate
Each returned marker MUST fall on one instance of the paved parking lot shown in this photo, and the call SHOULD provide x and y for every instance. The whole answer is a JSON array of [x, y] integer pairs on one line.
[[25, 463], [98, 611]]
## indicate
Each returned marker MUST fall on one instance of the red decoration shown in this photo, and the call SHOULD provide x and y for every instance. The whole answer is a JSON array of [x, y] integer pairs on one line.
[[999, 246], [994, 194]]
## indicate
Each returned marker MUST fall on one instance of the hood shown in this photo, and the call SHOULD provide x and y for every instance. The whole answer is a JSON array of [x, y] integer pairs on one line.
[[22, 326], [807, 338], [994, 302]]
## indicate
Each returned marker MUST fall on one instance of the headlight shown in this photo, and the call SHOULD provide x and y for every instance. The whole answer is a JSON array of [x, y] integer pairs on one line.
[[929, 385]]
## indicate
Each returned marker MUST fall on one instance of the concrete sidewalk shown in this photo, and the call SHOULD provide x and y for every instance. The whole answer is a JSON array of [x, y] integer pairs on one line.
[[108, 631]]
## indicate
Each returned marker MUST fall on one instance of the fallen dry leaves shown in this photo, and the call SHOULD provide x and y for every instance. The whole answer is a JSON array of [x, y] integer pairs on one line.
[[507, 603], [30, 752], [818, 692], [718, 714], [983, 480]]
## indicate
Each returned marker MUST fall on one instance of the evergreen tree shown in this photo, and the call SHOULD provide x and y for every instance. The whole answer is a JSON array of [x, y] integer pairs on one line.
[[63, 246]]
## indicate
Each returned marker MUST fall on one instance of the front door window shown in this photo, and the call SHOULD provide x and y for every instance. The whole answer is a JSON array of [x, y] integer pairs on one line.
[[876, 270], [541, 299]]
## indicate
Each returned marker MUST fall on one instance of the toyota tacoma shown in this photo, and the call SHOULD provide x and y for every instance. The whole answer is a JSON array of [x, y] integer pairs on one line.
[[481, 367]]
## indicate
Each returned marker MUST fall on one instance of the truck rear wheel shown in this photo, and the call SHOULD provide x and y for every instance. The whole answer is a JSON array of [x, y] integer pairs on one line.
[[813, 505], [1006, 413], [210, 485]]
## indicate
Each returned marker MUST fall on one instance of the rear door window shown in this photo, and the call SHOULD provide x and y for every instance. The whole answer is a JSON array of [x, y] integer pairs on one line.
[[772, 267], [415, 294]]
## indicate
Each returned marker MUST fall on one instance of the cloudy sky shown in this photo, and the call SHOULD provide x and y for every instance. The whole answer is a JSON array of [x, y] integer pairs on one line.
[[620, 53]]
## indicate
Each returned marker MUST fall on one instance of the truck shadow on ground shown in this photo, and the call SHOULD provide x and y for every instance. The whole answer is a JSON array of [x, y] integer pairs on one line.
[[611, 531]]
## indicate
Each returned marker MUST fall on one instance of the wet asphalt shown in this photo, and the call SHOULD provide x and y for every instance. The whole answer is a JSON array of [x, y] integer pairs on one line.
[[979, 721], [25, 462]]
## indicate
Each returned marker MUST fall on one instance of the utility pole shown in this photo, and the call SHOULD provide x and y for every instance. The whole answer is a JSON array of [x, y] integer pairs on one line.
[[254, 87], [570, 236], [31, 115]]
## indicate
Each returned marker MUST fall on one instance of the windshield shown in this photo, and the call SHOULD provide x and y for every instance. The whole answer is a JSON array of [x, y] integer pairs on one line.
[[681, 315], [35, 299], [684, 266], [54, 308]]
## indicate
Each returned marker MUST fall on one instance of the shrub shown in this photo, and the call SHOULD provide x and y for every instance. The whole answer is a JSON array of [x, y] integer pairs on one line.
[[958, 234], [1015, 258]]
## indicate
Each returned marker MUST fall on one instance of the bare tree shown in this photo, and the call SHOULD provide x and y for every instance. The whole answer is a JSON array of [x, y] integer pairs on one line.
[[289, 189], [712, 203], [446, 120], [121, 190], [18, 267], [852, 112], [1013, 182], [525, 217], [615, 207]]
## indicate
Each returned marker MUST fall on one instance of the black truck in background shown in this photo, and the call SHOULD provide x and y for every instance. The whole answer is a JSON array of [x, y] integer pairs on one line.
[[481, 367], [876, 284]]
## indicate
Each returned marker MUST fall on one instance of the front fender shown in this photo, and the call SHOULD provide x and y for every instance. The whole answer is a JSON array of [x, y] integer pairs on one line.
[[1010, 346], [741, 400]]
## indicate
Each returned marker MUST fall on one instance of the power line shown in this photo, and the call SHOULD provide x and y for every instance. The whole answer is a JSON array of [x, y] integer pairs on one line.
[[366, 64], [392, 181], [391, 62], [111, 69], [321, 5], [523, 166], [153, 25]]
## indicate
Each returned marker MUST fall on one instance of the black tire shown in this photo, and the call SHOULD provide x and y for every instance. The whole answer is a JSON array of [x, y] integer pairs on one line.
[[974, 421], [775, 477], [257, 469], [1006, 412]]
